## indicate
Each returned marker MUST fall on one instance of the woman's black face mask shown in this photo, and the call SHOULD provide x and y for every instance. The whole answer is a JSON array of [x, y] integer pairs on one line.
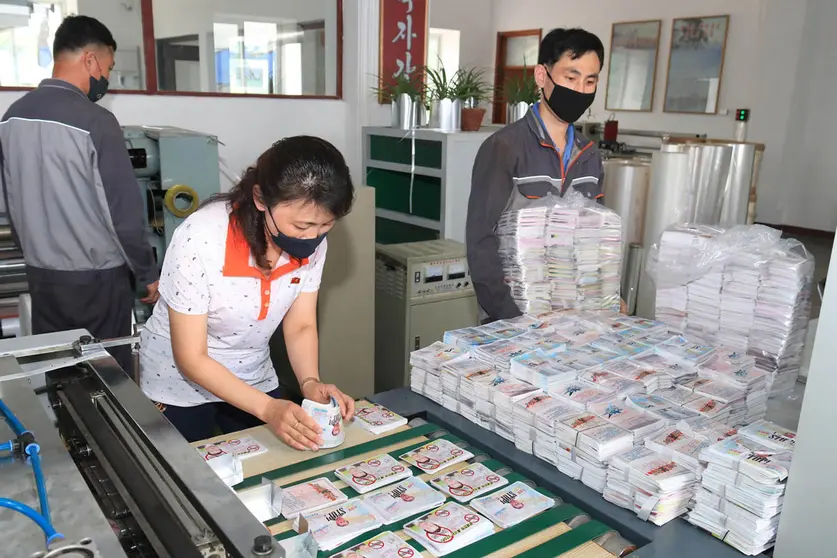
[[299, 248]]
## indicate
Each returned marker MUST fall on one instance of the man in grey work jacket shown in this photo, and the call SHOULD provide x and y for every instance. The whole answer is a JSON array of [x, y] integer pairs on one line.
[[537, 155], [72, 198]]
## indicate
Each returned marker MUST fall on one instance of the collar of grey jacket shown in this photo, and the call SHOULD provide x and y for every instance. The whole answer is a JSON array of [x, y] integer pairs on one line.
[[61, 84], [580, 142]]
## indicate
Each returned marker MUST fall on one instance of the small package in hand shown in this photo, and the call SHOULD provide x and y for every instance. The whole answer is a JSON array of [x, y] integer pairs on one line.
[[330, 420]]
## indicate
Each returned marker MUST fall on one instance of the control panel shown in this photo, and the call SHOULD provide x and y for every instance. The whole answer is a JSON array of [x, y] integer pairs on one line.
[[440, 277]]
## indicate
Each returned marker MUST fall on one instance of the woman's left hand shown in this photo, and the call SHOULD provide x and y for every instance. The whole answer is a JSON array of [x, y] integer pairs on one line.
[[322, 393]]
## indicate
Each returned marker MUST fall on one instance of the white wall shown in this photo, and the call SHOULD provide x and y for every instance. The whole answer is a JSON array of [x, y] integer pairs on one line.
[[809, 165], [475, 21], [777, 63]]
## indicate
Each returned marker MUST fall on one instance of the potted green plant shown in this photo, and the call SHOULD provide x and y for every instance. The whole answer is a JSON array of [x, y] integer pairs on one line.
[[404, 94], [445, 106], [472, 89], [519, 93]]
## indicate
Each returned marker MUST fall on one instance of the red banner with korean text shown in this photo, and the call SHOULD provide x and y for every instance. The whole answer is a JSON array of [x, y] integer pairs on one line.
[[403, 36]]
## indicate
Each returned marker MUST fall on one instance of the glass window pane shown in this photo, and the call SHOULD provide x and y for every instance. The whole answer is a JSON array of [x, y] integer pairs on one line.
[[246, 47], [522, 51], [26, 40]]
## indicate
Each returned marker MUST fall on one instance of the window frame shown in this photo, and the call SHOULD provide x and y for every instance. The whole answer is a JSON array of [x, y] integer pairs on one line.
[[151, 78]]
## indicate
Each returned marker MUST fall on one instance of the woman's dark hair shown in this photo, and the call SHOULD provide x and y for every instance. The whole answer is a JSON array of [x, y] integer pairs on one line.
[[298, 168]]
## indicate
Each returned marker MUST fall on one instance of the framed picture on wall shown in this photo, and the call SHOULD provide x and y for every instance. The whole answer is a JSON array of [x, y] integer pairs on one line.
[[633, 65], [696, 64]]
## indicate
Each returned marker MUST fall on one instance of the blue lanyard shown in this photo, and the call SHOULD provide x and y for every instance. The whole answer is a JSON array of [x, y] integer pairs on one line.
[[568, 149]]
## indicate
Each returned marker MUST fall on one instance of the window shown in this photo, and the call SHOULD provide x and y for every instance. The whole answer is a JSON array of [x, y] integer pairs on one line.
[[443, 49], [205, 47]]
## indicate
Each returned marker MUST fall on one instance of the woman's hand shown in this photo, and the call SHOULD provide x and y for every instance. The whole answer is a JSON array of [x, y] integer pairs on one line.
[[322, 393], [293, 425]]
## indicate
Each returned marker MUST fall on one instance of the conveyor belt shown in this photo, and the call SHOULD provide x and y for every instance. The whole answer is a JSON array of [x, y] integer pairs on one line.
[[564, 531]]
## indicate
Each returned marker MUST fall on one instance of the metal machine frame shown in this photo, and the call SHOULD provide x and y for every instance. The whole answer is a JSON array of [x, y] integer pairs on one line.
[[180, 506]]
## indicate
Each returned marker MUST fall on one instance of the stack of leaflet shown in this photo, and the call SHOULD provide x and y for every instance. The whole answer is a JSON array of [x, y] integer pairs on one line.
[[660, 408], [427, 366], [436, 455], [499, 354], [503, 330], [377, 419], [386, 544], [738, 300], [617, 385], [685, 351], [503, 395], [576, 463], [638, 423], [671, 307], [580, 394], [452, 373], [449, 528], [781, 317], [560, 257], [468, 337], [680, 447], [473, 390], [704, 304], [631, 370], [729, 404], [517, 503], [664, 488], [707, 430], [584, 258], [621, 345], [540, 369], [737, 370], [523, 257], [336, 525], [535, 417], [742, 492], [674, 371], [405, 499], [618, 489]]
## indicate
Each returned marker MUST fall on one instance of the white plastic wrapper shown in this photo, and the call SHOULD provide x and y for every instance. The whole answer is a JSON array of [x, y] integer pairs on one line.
[[562, 253], [744, 288], [330, 420]]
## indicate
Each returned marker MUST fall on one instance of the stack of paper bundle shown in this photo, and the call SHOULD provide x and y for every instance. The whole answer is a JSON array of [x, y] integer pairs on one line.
[[539, 369], [671, 305], [523, 256], [734, 369], [631, 370], [742, 491], [738, 300], [498, 355], [535, 417], [639, 423], [617, 385], [680, 447], [704, 304], [676, 371], [449, 528], [452, 373], [580, 394], [468, 337], [664, 488], [427, 363], [584, 257], [474, 401], [781, 318], [503, 394]]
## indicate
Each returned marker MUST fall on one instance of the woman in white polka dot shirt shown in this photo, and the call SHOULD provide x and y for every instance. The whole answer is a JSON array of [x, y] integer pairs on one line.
[[235, 269]]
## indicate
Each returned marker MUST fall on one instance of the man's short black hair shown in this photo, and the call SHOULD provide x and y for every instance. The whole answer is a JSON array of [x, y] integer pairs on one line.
[[78, 31], [577, 42]]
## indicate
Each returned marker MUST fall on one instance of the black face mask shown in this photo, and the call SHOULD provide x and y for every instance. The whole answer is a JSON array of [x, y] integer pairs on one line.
[[98, 87], [567, 104], [299, 248]]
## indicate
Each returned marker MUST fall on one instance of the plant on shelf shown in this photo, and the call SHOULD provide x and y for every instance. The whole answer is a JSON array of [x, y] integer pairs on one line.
[[410, 85], [521, 89], [440, 85], [472, 88]]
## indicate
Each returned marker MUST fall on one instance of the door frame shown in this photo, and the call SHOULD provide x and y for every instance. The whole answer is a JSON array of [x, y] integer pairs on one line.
[[499, 114]]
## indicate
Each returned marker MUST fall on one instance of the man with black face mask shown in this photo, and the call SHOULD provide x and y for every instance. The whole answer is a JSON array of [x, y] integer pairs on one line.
[[535, 156], [72, 197]]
